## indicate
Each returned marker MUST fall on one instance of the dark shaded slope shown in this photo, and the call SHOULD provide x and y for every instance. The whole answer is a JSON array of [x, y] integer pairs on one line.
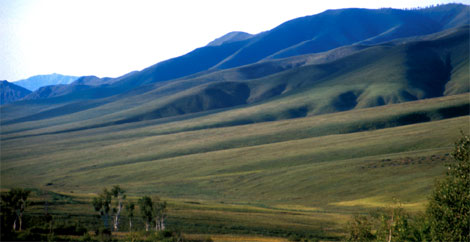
[[427, 70], [213, 96], [438, 70], [10, 92]]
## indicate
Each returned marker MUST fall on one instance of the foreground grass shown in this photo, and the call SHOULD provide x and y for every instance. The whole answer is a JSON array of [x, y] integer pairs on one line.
[[195, 219]]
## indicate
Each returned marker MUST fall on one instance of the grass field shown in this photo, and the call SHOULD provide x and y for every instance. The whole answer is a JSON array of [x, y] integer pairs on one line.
[[299, 177]]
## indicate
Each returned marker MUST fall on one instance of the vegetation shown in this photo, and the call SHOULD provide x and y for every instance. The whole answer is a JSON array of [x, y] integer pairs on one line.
[[102, 204], [449, 206], [447, 215], [130, 207], [146, 209], [119, 195], [13, 206]]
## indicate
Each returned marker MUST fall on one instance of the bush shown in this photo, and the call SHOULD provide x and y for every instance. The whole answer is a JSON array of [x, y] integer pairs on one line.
[[360, 229]]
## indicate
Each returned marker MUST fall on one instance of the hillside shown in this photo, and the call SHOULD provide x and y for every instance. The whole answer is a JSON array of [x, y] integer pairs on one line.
[[346, 78], [345, 26], [307, 161], [10, 92], [299, 36]]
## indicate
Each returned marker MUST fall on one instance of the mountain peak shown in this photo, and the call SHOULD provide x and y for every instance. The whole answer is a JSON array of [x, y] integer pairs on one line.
[[35, 82], [230, 37]]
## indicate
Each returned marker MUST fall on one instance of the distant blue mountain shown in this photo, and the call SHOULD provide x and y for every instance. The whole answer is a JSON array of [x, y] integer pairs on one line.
[[35, 82]]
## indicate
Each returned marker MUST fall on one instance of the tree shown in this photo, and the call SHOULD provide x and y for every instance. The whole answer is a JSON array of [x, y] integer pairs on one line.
[[14, 203], [117, 193], [159, 212], [102, 204], [146, 208], [130, 207], [394, 224], [449, 206]]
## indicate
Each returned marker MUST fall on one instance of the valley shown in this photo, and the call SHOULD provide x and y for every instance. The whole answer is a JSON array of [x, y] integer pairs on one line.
[[274, 136]]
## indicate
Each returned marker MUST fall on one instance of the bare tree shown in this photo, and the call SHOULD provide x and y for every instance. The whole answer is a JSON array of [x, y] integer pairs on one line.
[[117, 193]]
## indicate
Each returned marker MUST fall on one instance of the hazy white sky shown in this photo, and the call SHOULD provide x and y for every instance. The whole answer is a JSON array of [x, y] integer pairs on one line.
[[114, 37]]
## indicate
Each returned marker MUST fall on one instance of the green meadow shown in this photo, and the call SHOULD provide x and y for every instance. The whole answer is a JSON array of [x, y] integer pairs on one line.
[[297, 177]]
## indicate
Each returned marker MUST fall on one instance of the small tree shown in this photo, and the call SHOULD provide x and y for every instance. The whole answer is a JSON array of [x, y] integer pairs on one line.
[[393, 224], [146, 208], [449, 206], [102, 204], [14, 203], [159, 212], [119, 195], [130, 207]]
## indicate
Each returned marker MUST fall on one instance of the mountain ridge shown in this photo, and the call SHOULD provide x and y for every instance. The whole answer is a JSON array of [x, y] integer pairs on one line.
[[300, 32], [299, 86], [150, 93]]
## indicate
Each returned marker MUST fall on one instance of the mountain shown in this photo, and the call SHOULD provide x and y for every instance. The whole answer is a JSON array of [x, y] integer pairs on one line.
[[306, 35], [345, 78], [230, 37], [35, 82], [430, 61], [345, 26], [10, 92]]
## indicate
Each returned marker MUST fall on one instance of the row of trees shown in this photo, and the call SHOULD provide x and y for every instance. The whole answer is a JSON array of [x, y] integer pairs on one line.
[[110, 205], [447, 216]]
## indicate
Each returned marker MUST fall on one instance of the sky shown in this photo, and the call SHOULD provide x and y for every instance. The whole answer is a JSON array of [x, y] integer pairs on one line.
[[109, 38]]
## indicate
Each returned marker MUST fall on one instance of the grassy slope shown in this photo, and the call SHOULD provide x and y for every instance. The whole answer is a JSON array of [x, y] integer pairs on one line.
[[295, 162]]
